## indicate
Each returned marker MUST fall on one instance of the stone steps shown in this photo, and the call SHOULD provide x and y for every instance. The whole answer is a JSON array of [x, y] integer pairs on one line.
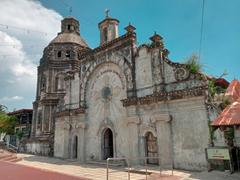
[[7, 156]]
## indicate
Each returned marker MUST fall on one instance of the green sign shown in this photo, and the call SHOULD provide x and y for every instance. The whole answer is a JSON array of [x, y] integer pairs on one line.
[[218, 153]]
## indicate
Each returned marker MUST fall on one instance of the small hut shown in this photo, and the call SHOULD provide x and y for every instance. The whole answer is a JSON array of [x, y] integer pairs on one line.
[[228, 122]]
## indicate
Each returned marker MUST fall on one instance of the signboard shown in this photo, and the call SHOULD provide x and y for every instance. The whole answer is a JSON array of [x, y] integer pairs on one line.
[[218, 153]]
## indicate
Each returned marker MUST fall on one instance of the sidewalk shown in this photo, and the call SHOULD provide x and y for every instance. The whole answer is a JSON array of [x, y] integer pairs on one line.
[[99, 172]]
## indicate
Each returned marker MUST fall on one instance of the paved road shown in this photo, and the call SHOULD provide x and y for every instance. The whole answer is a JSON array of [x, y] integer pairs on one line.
[[97, 172], [10, 171]]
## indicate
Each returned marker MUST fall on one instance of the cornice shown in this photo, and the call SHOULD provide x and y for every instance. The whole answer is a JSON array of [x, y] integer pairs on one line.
[[165, 96], [108, 44]]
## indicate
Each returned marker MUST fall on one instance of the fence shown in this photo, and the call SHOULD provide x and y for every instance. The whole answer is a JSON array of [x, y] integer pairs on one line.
[[129, 168]]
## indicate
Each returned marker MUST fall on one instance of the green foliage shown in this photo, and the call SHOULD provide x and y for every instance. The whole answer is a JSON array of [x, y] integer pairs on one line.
[[19, 135], [212, 89], [193, 64], [211, 132], [7, 123]]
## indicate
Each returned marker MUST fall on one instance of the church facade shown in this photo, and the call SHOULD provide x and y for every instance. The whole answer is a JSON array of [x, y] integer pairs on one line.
[[118, 100]]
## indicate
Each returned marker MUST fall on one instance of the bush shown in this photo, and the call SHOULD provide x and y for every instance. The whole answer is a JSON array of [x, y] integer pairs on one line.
[[193, 64]]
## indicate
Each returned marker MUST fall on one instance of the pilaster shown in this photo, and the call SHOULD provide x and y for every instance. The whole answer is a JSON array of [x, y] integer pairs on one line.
[[163, 126], [132, 123]]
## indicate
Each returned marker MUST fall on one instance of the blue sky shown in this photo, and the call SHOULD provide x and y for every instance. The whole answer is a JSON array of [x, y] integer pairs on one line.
[[178, 21], [26, 27]]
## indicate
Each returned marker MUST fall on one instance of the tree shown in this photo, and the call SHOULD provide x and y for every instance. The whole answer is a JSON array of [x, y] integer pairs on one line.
[[7, 123]]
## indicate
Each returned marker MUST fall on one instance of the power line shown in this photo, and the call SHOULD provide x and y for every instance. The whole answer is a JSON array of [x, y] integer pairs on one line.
[[28, 31], [14, 55], [201, 31]]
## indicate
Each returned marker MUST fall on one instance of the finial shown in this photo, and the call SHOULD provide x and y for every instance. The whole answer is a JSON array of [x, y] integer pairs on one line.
[[130, 28], [107, 13], [156, 37]]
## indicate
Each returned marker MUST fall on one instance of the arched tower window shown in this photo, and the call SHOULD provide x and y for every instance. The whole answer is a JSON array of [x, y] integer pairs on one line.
[[59, 54], [69, 27], [68, 54], [105, 36], [43, 83], [59, 82]]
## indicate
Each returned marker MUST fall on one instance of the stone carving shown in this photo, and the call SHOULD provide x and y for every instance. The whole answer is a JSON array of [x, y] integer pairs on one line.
[[118, 60], [156, 68], [105, 91], [181, 74], [67, 126]]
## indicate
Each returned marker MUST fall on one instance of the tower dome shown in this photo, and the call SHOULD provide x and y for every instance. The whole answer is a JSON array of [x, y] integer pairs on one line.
[[69, 33]]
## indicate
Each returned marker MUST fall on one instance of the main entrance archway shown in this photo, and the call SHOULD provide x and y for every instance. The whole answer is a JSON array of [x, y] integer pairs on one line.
[[107, 144], [151, 148]]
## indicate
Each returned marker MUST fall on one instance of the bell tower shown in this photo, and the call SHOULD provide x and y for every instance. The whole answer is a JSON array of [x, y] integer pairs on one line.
[[108, 29], [70, 25]]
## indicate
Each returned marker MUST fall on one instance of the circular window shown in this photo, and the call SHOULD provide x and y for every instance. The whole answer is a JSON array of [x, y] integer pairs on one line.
[[106, 92]]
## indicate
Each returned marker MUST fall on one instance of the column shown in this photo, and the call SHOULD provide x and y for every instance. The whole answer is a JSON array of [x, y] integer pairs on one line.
[[133, 139], [66, 131], [162, 122], [81, 141]]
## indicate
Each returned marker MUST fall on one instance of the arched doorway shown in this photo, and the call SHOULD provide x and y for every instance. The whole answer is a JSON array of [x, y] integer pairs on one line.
[[107, 144], [151, 148], [75, 147]]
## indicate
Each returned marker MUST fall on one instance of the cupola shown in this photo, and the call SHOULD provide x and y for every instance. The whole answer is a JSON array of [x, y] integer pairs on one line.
[[108, 29]]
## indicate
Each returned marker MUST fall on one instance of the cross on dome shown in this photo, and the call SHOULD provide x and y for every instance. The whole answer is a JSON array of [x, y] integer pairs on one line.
[[107, 13]]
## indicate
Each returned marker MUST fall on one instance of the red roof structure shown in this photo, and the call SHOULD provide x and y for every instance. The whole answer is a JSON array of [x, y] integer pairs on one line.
[[222, 82], [20, 111], [231, 114], [233, 90]]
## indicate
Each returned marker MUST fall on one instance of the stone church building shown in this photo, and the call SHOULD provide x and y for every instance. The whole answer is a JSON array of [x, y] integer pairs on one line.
[[118, 100]]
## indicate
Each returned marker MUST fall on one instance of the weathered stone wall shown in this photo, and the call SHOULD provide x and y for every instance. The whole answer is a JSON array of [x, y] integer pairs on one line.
[[143, 73], [41, 148], [190, 133]]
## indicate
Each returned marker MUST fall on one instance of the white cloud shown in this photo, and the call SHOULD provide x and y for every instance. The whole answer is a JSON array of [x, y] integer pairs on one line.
[[21, 49], [13, 98], [13, 58]]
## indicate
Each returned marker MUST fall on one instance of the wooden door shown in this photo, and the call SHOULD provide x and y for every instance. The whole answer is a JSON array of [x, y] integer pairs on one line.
[[151, 148]]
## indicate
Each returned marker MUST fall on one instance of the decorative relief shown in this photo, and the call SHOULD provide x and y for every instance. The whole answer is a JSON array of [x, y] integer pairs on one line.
[[145, 128], [181, 74], [156, 68], [118, 60], [163, 96], [105, 89], [67, 126]]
